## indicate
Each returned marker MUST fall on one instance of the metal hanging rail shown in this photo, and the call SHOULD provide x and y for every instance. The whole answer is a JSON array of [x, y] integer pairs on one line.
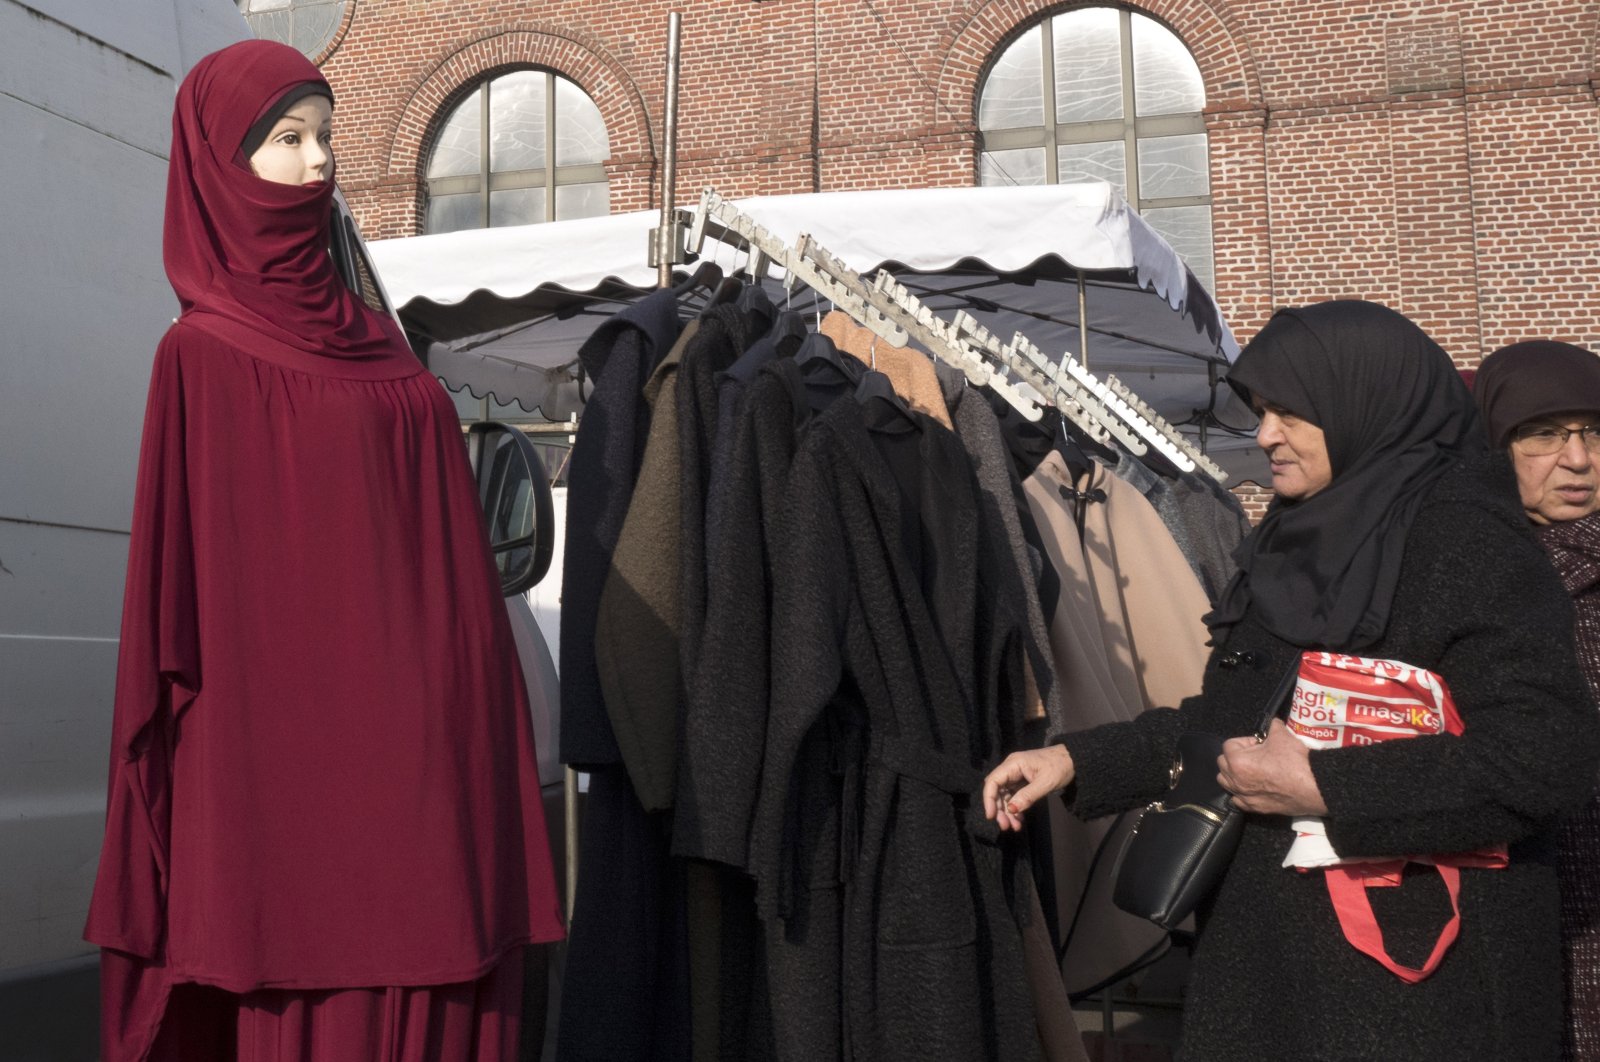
[[1102, 409]]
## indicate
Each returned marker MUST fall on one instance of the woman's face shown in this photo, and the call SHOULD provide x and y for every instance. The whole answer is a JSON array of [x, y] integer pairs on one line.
[[299, 150], [1297, 450], [1559, 486]]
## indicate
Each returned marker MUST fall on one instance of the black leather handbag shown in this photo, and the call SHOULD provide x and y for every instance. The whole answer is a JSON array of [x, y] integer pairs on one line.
[[1183, 842]]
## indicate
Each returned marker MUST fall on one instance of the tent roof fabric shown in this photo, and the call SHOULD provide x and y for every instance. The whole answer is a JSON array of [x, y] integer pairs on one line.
[[503, 311]]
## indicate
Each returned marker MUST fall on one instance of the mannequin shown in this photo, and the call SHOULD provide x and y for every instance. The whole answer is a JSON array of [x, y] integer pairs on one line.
[[324, 837]]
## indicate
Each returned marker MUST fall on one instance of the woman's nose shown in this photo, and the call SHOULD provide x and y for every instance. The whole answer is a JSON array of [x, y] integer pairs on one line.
[[1269, 432], [1575, 452]]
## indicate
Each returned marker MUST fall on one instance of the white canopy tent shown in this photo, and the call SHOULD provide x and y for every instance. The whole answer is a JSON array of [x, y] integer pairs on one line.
[[502, 312]]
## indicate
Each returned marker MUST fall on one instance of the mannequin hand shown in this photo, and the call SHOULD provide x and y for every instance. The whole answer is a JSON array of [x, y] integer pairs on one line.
[[1022, 780], [1271, 777]]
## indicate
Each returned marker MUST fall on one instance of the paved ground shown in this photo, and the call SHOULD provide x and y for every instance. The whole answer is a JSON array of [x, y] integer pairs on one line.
[[1142, 1021]]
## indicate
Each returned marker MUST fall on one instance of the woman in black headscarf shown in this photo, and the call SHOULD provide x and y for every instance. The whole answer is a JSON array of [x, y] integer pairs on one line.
[[1394, 535], [1541, 404]]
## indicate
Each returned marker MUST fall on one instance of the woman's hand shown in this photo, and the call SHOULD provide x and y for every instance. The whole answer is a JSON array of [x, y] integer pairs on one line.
[[1022, 780], [1271, 777]]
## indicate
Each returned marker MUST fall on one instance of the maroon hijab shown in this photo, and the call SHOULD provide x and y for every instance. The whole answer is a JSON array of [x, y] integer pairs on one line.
[[249, 257]]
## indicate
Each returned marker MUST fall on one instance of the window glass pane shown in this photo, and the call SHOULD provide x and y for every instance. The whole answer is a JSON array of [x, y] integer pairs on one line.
[[580, 131], [271, 26], [315, 25], [1021, 166], [1166, 79], [1013, 96], [1104, 161], [1173, 166], [1088, 60], [452, 213], [516, 121], [1188, 229], [582, 200], [516, 206], [457, 151]]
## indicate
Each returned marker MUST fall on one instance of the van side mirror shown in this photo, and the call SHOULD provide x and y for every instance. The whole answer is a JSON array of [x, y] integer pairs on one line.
[[515, 494]]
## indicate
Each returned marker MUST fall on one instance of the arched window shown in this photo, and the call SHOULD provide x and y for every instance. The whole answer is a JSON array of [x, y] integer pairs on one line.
[[1106, 94], [521, 148], [308, 25]]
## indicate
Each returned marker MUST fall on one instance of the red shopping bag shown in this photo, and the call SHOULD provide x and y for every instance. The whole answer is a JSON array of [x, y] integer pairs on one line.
[[1340, 701]]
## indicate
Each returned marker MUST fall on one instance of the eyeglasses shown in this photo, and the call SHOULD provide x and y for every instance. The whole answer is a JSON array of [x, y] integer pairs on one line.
[[1543, 440]]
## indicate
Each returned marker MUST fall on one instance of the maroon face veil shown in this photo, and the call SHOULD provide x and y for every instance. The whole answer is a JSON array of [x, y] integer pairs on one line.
[[248, 257]]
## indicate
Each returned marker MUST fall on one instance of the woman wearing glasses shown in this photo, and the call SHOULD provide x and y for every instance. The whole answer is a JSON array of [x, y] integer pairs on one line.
[[1541, 402], [1395, 535]]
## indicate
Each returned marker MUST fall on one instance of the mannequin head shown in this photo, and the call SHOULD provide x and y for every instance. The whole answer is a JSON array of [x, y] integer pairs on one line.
[[298, 149]]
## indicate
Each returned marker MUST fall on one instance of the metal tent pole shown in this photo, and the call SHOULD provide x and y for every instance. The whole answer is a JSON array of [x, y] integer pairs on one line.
[[1083, 321], [666, 249], [667, 240]]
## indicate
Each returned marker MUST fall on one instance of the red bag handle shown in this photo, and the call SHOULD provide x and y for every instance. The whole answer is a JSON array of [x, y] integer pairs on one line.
[[1347, 887]]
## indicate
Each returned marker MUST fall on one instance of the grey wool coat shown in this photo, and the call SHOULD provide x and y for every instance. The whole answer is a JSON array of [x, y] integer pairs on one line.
[[896, 679], [1273, 977]]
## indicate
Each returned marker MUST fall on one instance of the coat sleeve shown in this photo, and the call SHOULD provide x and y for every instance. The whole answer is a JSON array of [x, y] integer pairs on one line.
[[725, 723], [810, 614], [158, 674], [1530, 736], [1122, 765]]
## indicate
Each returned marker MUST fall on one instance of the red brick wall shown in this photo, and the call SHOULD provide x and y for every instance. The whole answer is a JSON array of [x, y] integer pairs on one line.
[[1438, 156], [1254, 497]]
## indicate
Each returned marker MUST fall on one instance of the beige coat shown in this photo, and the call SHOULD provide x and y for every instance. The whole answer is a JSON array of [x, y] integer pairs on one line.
[[1127, 636]]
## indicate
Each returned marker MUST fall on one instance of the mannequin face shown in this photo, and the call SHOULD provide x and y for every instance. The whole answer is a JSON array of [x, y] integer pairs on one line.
[[1297, 449], [299, 150]]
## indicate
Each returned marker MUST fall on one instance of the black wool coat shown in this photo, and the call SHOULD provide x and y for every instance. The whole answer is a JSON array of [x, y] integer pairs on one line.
[[895, 680], [1273, 977], [725, 722], [625, 990], [619, 358]]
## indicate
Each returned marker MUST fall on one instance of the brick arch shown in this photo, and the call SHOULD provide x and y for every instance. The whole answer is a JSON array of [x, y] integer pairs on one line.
[[1594, 56], [575, 57], [1227, 67]]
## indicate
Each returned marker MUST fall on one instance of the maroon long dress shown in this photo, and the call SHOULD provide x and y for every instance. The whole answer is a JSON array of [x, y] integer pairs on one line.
[[1574, 549], [324, 836]]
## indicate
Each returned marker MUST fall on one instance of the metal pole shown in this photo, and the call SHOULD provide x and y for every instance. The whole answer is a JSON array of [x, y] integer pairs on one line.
[[1083, 321], [570, 797], [665, 236]]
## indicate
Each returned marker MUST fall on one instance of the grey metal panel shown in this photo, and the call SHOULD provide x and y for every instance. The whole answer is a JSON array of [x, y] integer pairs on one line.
[[139, 30], [63, 583], [203, 26], [45, 905], [86, 92], [122, 84], [84, 309], [58, 648], [170, 35]]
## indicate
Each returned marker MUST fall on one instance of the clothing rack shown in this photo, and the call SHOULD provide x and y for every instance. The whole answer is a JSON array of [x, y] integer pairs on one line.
[[893, 314], [1101, 409]]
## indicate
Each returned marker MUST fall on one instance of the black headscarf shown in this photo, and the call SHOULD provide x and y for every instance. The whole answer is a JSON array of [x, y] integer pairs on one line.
[[1539, 378], [1321, 572]]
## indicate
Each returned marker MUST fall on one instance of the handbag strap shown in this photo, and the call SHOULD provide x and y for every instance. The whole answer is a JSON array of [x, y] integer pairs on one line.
[[1280, 697]]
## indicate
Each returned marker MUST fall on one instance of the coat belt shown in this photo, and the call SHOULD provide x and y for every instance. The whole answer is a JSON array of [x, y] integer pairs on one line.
[[941, 770]]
